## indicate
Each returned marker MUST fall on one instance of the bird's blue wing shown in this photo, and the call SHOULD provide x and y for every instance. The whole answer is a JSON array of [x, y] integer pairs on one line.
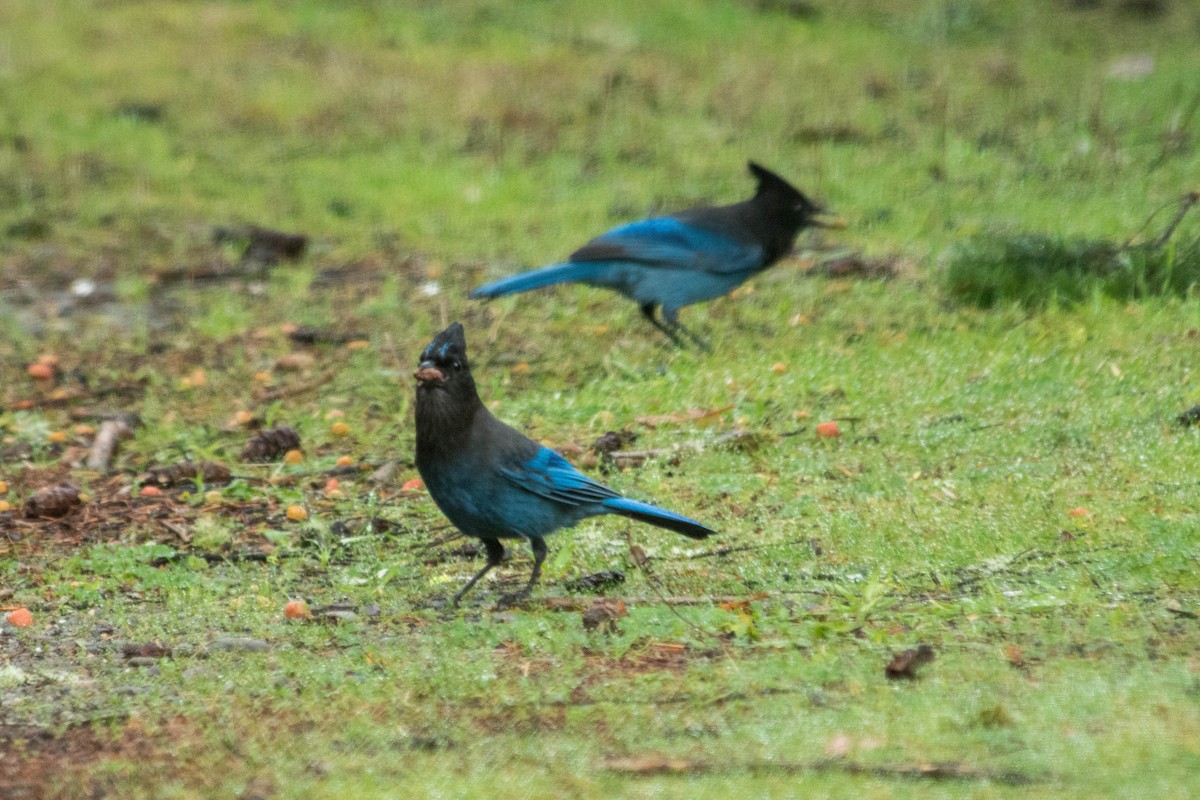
[[669, 242], [551, 476]]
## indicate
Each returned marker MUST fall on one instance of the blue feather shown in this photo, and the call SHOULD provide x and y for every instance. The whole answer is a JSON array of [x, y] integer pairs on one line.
[[668, 242], [551, 476], [547, 276]]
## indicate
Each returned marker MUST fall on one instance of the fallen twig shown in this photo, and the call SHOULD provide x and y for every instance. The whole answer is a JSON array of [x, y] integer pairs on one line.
[[262, 396], [1185, 204], [112, 431], [581, 603], [75, 395], [662, 765], [209, 473], [635, 458]]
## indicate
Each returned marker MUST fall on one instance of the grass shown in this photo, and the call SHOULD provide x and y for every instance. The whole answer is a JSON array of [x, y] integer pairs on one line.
[[1010, 487]]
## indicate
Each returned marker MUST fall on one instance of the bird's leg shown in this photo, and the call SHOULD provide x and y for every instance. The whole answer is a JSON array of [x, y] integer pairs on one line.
[[669, 330], [495, 554], [539, 555], [671, 318], [699, 340]]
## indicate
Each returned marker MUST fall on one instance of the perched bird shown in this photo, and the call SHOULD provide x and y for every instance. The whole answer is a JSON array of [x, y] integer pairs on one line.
[[684, 258], [495, 483]]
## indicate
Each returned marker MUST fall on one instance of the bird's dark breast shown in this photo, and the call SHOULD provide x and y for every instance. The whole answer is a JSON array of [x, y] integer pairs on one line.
[[442, 424]]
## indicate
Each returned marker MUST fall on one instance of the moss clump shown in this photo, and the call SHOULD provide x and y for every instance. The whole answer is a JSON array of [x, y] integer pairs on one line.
[[1037, 270]]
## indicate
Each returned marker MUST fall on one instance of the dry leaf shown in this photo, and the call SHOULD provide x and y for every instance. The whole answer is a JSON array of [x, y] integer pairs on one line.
[[1015, 655], [208, 472], [295, 362], [691, 415], [650, 764]]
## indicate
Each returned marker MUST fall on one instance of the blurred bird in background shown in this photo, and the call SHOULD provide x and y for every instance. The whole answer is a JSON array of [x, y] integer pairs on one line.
[[685, 258]]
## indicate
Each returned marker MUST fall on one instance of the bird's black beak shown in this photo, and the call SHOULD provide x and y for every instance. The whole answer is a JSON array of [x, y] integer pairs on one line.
[[427, 372], [821, 218]]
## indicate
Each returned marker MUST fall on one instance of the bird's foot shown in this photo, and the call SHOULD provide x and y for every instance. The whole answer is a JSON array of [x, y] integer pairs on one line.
[[682, 335], [679, 334], [701, 343]]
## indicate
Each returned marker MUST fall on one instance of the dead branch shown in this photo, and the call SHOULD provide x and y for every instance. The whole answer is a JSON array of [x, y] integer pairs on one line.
[[112, 431], [582, 603], [635, 458], [1185, 205], [649, 765]]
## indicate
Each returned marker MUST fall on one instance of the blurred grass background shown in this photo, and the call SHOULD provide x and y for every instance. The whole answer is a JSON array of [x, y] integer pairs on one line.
[[476, 131]]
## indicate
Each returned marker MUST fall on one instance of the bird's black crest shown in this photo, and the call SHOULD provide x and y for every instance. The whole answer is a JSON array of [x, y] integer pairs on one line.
[[770, 182], [449, 345]]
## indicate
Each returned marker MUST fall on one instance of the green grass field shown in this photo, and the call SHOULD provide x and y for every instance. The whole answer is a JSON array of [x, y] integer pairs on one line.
[[1012, 486]]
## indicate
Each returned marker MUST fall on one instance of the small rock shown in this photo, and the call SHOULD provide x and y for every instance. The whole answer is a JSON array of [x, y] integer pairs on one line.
[[1189, 417], [384, 473], [144, 661], [245, 644], [147, 650]]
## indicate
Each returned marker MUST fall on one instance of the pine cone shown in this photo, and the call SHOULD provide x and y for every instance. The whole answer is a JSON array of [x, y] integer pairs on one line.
[[271, 444], [53, 501]]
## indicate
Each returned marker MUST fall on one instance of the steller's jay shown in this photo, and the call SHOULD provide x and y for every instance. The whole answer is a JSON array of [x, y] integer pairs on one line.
[[495, 483], [684, 258]]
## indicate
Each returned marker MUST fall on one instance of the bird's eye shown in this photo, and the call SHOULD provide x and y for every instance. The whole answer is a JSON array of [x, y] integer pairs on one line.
[[456, 364]]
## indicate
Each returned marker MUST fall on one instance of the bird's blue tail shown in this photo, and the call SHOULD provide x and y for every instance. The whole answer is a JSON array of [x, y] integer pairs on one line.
[[644, 512], [547, 276]]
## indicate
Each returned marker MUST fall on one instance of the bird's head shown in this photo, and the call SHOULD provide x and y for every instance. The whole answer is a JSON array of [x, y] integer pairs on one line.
[[444, 365], [798, 208]]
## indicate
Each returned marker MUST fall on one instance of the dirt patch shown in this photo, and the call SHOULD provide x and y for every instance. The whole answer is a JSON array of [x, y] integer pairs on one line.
[[523, 720], [650, 657], [38, 764], [517, 659], [108, 512]]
